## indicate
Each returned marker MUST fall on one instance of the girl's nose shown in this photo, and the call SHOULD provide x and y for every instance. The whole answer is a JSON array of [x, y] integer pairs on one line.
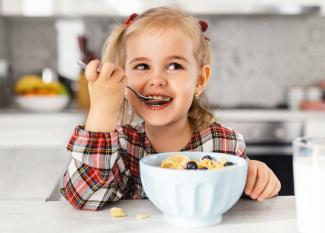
[[157, 81]]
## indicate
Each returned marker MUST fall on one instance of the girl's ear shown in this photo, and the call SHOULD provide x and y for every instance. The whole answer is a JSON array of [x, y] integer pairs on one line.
[[203, 78]]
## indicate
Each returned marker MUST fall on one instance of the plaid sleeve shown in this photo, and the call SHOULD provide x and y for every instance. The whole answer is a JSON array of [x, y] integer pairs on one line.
[[240, 148], [221, 139], [96, 173]]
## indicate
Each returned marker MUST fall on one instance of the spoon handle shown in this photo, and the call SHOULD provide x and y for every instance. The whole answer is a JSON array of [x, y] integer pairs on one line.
[[81, 64], [139, 96], [84, 65]]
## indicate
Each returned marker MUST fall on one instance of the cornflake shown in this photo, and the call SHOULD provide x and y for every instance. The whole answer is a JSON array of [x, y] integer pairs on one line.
[[117, 212], [141, 216]]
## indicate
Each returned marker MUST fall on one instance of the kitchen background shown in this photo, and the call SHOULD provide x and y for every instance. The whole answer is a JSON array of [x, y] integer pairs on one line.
[[267, 82], [267, 53]]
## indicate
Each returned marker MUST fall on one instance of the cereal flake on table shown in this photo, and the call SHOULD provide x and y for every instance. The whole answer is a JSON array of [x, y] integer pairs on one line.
[[117, 212], [141, 216]]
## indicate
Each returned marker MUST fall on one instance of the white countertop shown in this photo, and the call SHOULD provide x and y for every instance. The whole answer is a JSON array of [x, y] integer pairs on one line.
[[276, 215], [32, 140], [255, 114], [18, 128], [268, 115], [31, 173]]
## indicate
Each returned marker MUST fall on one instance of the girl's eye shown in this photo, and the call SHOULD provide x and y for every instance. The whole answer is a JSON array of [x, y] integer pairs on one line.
[[175, 66], [141, 67]]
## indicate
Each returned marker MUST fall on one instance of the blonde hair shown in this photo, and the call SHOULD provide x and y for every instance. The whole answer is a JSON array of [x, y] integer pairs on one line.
[[160, 19]]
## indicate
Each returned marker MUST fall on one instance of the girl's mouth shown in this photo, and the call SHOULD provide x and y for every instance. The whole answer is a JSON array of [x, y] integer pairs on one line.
[[159, 102]]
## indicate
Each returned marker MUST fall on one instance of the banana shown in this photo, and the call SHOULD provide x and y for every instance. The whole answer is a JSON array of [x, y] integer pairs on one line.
[[29, 83], [33, 84]]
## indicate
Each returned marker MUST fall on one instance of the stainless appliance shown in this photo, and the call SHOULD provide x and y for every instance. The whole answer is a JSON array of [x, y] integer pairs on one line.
[[270, 142], [4, 83]]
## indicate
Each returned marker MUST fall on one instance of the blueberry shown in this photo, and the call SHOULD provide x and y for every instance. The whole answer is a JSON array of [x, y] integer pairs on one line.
[[207, 157], [191, 165], [228, 164]]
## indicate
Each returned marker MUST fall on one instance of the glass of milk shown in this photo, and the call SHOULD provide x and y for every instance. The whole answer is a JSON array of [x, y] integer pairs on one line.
[[309, 183]]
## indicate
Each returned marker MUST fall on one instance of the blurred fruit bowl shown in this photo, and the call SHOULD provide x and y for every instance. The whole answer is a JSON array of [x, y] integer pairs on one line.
[[33, 94], [42, 103]]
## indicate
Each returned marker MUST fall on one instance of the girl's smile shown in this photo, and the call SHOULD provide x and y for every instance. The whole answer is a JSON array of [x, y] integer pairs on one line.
[[162, 100]]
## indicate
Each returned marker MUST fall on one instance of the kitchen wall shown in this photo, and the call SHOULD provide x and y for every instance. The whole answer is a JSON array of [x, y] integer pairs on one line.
[[31, 44], [255, 58], [3, 39]]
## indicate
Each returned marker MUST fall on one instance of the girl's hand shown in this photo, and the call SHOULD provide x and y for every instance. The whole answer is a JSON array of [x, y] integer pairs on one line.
[[261, 182], [106, 86]]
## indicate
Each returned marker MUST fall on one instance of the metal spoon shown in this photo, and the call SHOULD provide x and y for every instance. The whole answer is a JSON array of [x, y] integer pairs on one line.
[[138, 95], [141, 97]]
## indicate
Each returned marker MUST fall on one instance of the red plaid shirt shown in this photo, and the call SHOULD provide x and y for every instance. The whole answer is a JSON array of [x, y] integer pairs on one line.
[[105, 166]]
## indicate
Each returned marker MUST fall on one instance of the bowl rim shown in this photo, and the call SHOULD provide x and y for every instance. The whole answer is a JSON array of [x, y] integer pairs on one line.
[[225, 169]]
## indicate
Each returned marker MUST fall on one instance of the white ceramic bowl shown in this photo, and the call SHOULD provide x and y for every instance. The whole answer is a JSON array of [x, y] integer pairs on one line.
[[193, 198], [50, 103]]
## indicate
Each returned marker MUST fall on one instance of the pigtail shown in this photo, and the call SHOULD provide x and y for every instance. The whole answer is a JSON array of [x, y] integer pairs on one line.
[[111, 51], [200, 115]]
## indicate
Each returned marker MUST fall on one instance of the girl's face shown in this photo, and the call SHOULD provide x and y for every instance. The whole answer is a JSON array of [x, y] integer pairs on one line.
[[161, 64]]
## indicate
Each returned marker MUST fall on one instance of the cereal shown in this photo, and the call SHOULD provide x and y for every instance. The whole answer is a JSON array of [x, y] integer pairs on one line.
[[210, 164], [180, 161], [117, 212], [223, 161], [175, 162], [141, 216]]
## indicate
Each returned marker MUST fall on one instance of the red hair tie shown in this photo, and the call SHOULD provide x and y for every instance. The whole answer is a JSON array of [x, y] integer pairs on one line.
[[204, 25], [130, 19]]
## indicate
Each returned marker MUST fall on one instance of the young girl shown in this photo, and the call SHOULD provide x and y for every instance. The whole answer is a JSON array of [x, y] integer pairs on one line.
[[162, 53]]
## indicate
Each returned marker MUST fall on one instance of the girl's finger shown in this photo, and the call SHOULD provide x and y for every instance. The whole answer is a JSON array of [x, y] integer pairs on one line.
[[276, 189], [262, 180], [251, 178], [90, 71], [99, 68], [106, 71], [268, 190], [118, 74], [277, 185]]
